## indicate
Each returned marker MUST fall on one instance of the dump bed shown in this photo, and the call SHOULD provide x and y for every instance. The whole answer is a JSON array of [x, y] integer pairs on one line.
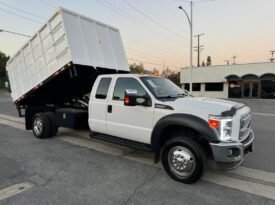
[[64, 57]]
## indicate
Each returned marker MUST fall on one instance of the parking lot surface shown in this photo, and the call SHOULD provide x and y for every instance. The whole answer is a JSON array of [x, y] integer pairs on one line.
[[71, 168]]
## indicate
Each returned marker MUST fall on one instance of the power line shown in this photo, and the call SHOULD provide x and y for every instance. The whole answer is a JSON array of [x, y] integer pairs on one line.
[[155, 21], [47, 4], [145, 54], [31, 19], [198, 1], [155, 12], [202, 1], [24, 11], [146, 26], [184, 1], [128, 17], [18, 15], [168, 10], [152, 46], [146, 57], [11, 32], [153, 63]]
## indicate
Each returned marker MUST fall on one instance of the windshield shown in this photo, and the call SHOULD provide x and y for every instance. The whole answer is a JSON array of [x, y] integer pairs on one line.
[[162, 87]]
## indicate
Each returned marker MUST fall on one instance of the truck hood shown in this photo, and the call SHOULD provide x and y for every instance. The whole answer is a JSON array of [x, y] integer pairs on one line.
[[201, 105]]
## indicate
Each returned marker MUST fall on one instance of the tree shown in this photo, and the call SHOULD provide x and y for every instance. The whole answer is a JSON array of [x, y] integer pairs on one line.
[[3, 73], [155, 72], [203, 64], [174, 77], [138, 69], [209, 61], [166, 72]]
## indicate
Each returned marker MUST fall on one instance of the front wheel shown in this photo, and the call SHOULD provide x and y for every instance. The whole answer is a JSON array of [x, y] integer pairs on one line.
[[183, 159]]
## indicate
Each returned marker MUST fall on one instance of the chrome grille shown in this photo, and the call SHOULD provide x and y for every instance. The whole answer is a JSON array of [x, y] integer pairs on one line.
[[245, 125]]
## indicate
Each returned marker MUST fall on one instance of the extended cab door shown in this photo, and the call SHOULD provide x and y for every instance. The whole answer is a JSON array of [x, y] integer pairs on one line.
[[98, 105], [133, 123]]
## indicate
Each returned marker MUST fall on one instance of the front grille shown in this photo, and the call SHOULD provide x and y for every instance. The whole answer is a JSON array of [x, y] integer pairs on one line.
[[245, 125]]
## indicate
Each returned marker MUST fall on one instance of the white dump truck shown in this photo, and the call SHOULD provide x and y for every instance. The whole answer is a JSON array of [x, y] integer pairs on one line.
[[73, 73]]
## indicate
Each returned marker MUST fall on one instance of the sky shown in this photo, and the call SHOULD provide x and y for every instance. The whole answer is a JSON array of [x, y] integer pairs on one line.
[[155, 32]]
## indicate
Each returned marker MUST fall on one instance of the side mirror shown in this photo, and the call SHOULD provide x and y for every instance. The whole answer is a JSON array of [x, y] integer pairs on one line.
[[186, 93], [130, 98]]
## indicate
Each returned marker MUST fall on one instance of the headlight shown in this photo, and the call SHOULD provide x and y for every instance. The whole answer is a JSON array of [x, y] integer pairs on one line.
[[222, 126]]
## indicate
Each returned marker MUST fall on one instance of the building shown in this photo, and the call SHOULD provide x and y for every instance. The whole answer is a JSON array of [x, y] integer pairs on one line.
[[253, 80]]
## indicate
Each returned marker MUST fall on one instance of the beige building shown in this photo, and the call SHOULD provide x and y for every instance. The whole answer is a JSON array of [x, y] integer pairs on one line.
[[253, 80]]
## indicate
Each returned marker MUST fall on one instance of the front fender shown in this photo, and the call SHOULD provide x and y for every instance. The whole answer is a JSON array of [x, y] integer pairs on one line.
[[186, 120]]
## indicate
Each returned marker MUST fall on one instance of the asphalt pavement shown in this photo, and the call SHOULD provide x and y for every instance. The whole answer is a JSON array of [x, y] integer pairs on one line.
[[73, 169]]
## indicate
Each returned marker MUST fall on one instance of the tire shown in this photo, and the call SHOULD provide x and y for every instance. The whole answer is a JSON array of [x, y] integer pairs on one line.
[[183, 159], [54, 126], [41, 126]]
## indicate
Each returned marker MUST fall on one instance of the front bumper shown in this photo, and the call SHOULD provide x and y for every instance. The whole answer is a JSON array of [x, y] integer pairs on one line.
[[229, 155]]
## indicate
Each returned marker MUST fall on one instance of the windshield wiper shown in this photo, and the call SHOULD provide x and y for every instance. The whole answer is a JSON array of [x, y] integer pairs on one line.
[[181, 95], [167, 96]]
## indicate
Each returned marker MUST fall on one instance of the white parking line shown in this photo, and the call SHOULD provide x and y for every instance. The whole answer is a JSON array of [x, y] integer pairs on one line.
[[263, 114], [12, 124], [14, 189], [12, 118], [246, 186], [255, 174]]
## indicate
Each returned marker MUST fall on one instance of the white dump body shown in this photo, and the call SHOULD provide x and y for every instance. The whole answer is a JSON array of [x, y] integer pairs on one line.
[[66, 37]]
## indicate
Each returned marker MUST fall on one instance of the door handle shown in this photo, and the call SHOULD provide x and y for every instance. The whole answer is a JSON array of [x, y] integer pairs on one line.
[[110, 109]]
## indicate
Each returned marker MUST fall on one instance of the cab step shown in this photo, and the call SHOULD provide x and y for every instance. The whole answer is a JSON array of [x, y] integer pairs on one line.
[[121, 141]]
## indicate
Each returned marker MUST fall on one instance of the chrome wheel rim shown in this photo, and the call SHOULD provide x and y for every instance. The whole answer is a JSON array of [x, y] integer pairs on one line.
[[37, 126], [181, 161]]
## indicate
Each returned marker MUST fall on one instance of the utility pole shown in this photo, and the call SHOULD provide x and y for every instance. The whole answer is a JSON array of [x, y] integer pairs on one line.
[[198, 48], [190, 20], [272, 56], [234, 60], [227, 62], [163, 68]]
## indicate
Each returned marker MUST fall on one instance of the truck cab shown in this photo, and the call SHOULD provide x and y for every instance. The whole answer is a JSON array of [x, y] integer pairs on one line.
[[181, 130]]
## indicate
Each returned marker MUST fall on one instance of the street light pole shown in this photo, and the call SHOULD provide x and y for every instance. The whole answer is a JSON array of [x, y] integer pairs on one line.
[[191, 48], [190, 20]]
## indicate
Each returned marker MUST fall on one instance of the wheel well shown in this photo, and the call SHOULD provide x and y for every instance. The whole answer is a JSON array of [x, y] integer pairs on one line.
[[30, 111], [174, 131]]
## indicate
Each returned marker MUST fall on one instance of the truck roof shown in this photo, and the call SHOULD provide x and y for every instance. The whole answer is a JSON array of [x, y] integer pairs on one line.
[[128, 75]]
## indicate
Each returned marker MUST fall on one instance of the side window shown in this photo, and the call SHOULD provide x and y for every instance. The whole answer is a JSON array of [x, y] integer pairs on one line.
[[103, 87], [127, 83]]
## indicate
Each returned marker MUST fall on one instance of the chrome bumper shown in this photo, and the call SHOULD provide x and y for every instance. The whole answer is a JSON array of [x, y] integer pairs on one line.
[[229, 155]]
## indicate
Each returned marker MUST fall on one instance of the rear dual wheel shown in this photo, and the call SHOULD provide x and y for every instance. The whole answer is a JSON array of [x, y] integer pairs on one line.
[[54, 127], [44, 125]]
